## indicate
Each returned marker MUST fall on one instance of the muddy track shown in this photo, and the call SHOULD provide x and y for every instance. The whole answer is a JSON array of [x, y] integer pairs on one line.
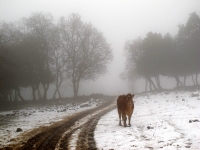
[[57, 136], [86, 137]]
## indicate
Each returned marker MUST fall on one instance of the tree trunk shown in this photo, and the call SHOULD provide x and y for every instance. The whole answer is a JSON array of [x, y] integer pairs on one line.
[[39, 94], [150, 86], [75, 90], [76, 87], [19, 94], [46, 87], [54, 94], [10, 95], [146, 84], [178, 82], [45, 95], [196, 79], [184, 82], [193, 80], [33, 92], [75, 94], [158, 82], [151, 83], [59, 95], [61, 80], [57, 90], [16, 97]]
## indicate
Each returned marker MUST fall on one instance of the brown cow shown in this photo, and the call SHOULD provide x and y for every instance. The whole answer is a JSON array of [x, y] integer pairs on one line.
[[125, 107]]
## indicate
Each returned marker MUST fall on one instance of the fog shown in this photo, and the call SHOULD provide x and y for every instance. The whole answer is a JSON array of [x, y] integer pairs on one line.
[[119, 21]]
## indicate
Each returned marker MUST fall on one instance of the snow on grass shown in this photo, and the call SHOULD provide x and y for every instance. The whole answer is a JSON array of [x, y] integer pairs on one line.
[[33, 117], [160, 121]]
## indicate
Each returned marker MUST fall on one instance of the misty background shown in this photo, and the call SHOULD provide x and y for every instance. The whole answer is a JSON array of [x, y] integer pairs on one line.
[[124, 26]]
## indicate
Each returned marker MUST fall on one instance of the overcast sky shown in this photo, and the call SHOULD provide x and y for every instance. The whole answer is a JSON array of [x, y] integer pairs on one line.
[[118, 20]]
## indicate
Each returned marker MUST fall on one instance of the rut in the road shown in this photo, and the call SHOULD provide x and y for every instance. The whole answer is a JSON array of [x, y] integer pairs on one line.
[[48, 138], [86, 137]]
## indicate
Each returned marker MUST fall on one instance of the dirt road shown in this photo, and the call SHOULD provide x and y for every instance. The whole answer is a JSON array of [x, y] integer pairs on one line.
[[59, 135]]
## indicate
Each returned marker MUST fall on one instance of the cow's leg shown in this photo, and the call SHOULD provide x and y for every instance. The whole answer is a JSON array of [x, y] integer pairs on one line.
[[120, 114], [124, 119], [129, 120]]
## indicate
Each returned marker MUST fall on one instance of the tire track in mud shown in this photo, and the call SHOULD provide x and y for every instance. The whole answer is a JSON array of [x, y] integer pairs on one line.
[[86, 139], [57, 136]]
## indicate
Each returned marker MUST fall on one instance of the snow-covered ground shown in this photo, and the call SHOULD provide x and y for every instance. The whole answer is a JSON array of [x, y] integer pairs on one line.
[[34, 117], [160, 121]]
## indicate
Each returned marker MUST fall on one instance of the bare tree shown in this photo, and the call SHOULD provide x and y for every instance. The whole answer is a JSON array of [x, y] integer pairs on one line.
[[58, 65], [87, 52]]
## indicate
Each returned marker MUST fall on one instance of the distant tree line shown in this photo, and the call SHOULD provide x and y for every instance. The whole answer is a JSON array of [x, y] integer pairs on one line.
[[156, 55], [36, 51]]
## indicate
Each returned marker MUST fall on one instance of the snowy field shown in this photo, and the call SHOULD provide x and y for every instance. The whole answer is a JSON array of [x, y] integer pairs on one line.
[[34, 117], [160, 121]]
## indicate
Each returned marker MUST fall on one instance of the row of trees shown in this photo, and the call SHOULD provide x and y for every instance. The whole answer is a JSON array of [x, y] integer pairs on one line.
[[158, 55], [37, 51]]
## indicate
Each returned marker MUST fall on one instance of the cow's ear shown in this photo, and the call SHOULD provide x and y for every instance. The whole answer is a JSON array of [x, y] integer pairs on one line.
[[133, 95]]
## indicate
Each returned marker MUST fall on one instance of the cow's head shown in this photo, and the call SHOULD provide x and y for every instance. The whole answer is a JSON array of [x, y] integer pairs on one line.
[[129, 98], [129, 95]]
